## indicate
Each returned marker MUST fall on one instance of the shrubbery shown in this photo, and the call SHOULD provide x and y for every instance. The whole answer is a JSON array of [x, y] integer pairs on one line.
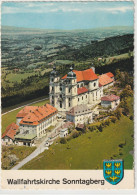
[[76, 133], [117, 113], [113, 119], [63, 140], [131, 117]]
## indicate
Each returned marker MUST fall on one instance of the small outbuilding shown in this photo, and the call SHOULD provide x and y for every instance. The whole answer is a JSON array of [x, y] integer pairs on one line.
[[111, 101], [8, 136], [63, 132]]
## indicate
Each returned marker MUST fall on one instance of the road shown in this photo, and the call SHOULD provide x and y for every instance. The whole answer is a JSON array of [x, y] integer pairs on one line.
[[25, 105], [39, 150]]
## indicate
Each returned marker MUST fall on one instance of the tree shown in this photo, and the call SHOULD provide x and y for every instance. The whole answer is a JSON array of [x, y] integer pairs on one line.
[[118, 74], [63, 140], [131, 117], [100, 128], [126, 111], [113, 119], [75, 134], [13, 158], [118, 113]]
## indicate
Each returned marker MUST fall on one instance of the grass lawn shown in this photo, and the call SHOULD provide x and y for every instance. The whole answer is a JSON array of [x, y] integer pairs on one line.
[[20, 152], [18, 76], [10, 117], [89, 150]]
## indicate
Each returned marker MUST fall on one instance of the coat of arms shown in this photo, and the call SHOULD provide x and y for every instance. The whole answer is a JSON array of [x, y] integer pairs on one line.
[[113, 171]]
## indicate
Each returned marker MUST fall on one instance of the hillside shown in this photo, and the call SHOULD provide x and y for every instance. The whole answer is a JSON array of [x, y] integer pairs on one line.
[[26, 70], [90, 149], [102, 48]]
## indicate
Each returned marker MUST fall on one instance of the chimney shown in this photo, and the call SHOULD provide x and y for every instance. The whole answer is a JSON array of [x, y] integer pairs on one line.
[[93, 67]]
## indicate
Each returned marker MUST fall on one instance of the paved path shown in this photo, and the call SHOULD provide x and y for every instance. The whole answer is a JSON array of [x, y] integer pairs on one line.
[[39, 150], [25, 105]]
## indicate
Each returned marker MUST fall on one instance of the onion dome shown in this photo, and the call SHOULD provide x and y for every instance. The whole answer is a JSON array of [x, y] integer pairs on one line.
[[54, 72], [71, 74]]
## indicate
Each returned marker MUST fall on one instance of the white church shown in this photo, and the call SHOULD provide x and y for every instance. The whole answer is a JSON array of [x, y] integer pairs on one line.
[[77, 88]]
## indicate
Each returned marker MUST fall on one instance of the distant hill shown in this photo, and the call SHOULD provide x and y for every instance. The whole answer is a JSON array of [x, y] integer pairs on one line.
[[109, 46], [21, 30]]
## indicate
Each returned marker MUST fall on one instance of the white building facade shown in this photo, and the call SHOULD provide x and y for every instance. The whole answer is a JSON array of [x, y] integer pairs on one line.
[[80, 114], [75, 88]]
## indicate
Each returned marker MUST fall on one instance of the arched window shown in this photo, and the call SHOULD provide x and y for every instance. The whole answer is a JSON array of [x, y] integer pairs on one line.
[[94, 84]]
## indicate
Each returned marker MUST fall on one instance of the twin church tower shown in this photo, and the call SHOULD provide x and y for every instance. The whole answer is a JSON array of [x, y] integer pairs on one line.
[[75, 88]]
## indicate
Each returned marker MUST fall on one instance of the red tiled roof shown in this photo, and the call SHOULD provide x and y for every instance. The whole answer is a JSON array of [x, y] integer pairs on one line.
[[22, 113], [38, 114], [11, 131], [85, 75], [104, 80], [82, 90], [81, 126], [110, 74], [110, 98]]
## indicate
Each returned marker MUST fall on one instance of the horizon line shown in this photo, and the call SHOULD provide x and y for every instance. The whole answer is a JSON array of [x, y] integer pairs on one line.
[[66, 29]]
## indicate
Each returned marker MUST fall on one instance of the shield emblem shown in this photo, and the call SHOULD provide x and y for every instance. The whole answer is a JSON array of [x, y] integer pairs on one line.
[[113, 171]]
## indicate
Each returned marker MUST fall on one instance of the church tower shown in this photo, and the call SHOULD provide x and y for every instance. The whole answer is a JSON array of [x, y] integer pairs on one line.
[[71, 90], [54, 87]]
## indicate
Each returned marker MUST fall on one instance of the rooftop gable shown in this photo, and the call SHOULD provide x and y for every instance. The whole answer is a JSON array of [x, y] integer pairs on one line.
[[110, 98], [110, 74], [38, 114], [104, 79], [78, 110], [11, 130], [85, 75], [82, 90]]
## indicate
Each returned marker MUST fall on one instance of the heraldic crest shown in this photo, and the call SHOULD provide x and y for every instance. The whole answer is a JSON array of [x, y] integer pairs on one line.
[[113, 171]]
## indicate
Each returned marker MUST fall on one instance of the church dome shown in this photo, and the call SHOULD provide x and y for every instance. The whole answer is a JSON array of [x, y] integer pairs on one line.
[[71, 74], [54, 72]]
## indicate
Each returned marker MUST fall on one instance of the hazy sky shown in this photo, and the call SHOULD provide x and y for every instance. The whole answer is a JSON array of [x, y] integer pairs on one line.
[[67, 15]]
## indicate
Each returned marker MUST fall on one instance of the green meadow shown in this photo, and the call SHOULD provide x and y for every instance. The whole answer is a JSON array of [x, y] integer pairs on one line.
[[89, 150]]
